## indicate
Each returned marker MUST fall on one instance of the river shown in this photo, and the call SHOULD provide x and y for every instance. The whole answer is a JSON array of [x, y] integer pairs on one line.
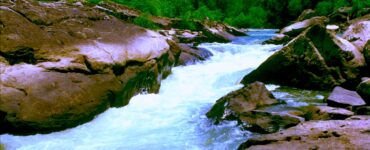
[[175, 117]]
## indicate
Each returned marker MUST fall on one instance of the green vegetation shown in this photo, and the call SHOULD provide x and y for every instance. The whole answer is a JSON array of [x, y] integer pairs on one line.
[[145, 22], [2, 147], [240, 13]]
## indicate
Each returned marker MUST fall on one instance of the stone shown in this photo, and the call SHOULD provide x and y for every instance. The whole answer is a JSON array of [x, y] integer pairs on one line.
[[244, 100], [316, 59], [341, 97], [330, 134], [325, 113], [363, 89], [62, 64], [358, 33], [268, 122], [296, 28]]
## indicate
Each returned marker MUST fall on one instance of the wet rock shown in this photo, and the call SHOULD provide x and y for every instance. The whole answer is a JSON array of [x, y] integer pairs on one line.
[[325, 113], [358, 33], [62, 64], [316, 59], [331, 134], [268, 122], [341, 97], [248, 98], [297, 28], [278, 39], [191, 55], [364, 90]]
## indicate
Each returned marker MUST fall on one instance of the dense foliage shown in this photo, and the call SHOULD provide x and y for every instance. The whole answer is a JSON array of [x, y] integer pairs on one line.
[[241, 13]]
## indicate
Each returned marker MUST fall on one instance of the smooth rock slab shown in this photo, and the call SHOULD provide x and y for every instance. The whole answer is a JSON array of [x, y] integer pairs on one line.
[[341, 97], [332, 134]]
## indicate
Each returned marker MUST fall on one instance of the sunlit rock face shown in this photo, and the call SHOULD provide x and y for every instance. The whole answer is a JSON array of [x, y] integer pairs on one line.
[[61, 64], [315, 59]]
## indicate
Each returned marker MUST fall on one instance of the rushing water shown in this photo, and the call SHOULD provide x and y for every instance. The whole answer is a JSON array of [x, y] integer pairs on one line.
[[175, 117]]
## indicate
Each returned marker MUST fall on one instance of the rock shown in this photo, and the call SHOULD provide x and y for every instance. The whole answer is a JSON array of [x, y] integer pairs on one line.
[[362, 110], [364, 90], [298, 27], [358, 33], [190, 55], [331, 134], [268, 122], [341, 97], [316, 59], [278, 39], [367, 56], [306, 14], [62, 64], [359, 117], [241, 101], [325, 113]]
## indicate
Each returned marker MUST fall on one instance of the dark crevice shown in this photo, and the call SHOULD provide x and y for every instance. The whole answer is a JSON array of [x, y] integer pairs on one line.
[[71, 70], [21, 55]]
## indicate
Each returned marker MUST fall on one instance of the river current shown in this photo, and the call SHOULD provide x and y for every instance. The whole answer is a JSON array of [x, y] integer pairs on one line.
[[175, 117]]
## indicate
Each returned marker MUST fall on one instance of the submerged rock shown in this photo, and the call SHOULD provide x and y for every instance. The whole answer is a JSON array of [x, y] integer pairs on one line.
[[341, 97], [62, 64], [248, 98], [316, 59], [332, 134]]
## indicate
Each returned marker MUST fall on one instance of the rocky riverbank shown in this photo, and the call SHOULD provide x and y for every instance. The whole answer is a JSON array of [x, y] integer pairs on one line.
[[319, 53], [63, 63]]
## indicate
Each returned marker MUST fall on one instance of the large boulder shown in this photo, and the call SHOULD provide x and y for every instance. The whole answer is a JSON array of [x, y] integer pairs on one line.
[[358, 33], [296, 28], [61, 64], [331, 134], [316, 59], [341, 97], [364, 90], [244, 100]]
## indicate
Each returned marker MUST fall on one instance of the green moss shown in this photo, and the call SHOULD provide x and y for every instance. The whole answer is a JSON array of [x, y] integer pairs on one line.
[[145, 22], [2, 147]]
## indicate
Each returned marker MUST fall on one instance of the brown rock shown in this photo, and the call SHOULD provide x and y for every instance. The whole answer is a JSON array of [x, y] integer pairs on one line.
[[325, 113], [332, 134], [250, 97], [341, 97], [62, 64], [316, 59], [268, 122]]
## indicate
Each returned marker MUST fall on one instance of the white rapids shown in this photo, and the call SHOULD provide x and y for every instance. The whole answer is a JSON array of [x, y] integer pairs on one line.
[[172, 119]]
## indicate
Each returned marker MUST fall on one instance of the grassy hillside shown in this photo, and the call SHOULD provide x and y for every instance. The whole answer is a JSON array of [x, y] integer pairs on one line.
[[240, 13]]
